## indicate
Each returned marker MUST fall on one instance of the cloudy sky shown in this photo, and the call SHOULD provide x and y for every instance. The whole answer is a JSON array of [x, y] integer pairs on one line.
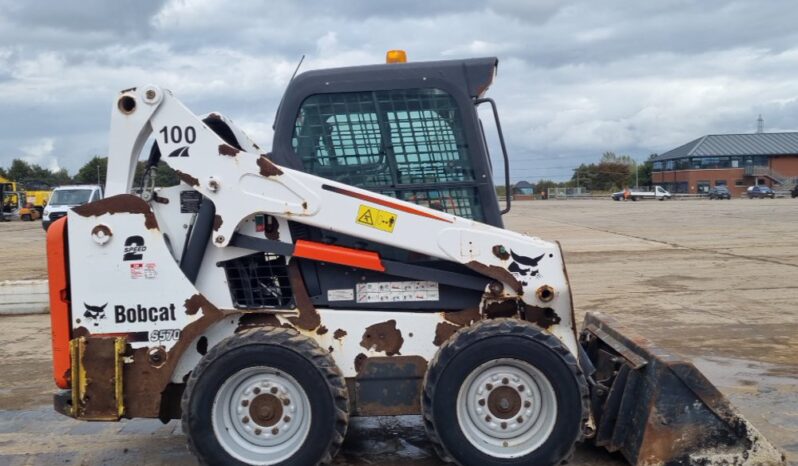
[[575, 78]]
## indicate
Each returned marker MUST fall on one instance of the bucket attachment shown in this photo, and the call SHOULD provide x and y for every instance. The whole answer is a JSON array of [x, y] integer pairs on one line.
[[658, 409]]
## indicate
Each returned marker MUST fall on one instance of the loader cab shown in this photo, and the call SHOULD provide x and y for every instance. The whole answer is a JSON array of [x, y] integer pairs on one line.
[[407, 130]]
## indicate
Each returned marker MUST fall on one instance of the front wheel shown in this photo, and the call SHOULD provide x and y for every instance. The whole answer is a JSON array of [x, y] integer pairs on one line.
[[504, 392], [268, 396]]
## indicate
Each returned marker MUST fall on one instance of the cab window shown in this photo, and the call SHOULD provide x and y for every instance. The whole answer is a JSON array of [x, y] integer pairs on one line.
[[406, 143]]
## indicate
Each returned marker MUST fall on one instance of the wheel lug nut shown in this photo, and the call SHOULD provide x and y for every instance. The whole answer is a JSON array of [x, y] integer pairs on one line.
[[520, 419], [245, 419], [505, 381], [287, 419], [274, 390], [521, 388], [256, 390], [527, 404], [489, 386], [286, 402], [504, 425], [487, 418], [482, 402], [258, 431], [275, 431], [245, 403]]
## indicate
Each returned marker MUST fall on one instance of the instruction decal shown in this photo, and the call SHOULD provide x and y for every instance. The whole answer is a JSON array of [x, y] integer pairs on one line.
[[345, 294], [382, 292], [376, 218]]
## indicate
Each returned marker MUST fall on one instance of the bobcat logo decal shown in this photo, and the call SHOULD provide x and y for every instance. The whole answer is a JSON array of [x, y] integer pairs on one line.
[[524, 266], [94, 313]]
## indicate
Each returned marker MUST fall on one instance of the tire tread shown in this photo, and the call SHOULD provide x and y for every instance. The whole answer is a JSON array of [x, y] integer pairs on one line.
[[286, 338], [483, 329]]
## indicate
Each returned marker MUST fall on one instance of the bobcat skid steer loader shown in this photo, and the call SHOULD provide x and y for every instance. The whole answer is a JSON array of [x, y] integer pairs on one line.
[[359, 268]]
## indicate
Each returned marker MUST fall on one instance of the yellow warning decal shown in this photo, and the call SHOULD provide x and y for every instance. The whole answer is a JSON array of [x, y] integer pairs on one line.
[[376, 218]]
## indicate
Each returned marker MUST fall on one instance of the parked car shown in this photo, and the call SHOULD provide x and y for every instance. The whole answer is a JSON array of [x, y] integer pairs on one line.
[[760, 192], [794, 192], [66, 197], [658, 193], [719, 192]]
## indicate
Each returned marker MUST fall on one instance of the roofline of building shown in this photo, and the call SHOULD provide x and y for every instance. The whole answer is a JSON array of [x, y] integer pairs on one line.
[[700, 141]]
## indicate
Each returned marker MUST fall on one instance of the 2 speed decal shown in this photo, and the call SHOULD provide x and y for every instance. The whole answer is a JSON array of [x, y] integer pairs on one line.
[[134, 248]]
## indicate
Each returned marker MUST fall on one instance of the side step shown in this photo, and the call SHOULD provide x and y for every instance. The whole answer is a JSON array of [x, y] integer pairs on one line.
[[658, 409]]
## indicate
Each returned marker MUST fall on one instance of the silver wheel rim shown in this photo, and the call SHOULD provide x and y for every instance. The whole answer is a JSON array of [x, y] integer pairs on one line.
[[506, 408], [261, 415]]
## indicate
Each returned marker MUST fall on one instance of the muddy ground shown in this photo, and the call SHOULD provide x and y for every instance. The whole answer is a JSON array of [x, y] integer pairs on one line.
[[716, 281]]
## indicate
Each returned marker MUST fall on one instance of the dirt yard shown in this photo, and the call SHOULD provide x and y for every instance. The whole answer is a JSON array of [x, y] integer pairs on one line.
[[716, 281]]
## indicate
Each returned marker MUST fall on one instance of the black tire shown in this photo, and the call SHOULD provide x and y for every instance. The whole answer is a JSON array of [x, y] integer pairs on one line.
[[634, 199], [26, 218], [483, 342], [285, 350]]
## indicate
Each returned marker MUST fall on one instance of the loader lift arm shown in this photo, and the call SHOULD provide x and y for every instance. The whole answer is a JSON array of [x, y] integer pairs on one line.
[[242, 184]]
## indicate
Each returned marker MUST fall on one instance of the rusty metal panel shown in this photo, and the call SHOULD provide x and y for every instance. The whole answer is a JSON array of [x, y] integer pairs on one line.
[[97, 371], [389, 386]]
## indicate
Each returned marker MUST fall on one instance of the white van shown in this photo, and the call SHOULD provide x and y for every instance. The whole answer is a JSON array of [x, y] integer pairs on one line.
[[66, 197]]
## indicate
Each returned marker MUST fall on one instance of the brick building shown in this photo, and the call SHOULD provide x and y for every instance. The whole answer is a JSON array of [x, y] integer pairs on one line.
[[734, 160]]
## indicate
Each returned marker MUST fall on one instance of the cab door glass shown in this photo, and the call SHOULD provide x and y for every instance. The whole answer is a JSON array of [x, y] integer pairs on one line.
[[406, 143]]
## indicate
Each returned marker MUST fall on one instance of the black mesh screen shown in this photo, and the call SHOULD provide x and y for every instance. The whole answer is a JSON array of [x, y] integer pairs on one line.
[[258, 280], [404, 140]]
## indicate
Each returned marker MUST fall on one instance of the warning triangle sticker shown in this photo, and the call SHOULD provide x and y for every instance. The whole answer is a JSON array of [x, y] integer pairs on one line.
[[366, 218]]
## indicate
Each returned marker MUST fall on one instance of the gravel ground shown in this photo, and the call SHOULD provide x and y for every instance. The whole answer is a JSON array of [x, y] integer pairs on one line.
[[712, 280]]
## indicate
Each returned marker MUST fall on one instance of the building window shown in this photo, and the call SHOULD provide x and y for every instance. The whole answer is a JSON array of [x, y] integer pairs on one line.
[[681, 187], [739, 183], [735, 163], [703, 186], [669, 165], [657, 166], [720, 182]]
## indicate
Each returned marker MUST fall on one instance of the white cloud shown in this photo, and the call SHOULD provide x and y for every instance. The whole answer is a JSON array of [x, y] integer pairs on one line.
[[40, 152], [575, 79]]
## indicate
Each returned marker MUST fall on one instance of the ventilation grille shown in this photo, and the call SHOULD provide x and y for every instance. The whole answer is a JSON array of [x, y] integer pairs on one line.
[[258, 280]]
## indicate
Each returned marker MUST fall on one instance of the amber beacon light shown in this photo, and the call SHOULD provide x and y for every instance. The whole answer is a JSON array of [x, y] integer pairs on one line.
[[396, 56]]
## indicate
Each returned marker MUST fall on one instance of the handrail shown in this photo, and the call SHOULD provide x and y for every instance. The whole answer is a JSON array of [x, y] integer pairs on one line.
[[508, 190]]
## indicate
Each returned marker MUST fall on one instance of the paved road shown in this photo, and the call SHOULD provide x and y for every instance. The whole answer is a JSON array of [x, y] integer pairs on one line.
[[713, 280]]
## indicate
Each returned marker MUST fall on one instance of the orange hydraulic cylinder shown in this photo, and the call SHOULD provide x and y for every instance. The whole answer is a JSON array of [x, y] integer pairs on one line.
[[338, 255]]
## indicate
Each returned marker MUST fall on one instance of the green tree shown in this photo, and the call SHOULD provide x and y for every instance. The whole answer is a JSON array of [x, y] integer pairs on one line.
[[645, 171], [19, 170], [59, 178], [34, 177], [93, 172], [612, 172], [611, 157], [164, 175]]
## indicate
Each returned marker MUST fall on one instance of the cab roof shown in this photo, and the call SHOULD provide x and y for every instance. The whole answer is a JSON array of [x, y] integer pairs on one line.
[[476, 74]]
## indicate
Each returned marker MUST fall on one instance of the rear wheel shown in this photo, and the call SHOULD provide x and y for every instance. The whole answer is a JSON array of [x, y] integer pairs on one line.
[[268, 396], [26, 218], [504, 392]]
